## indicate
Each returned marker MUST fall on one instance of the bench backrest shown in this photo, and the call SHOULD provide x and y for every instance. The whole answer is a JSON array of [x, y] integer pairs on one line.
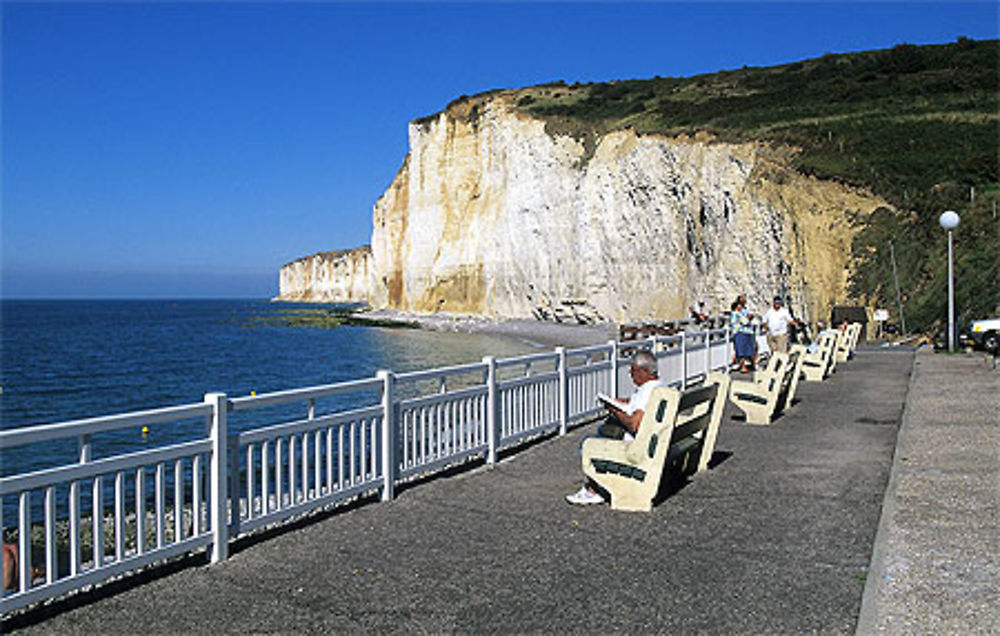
[[796, 357], [827, 349], [845, 341], [768, 369], [773, 379], [671, 417], [855, 331]]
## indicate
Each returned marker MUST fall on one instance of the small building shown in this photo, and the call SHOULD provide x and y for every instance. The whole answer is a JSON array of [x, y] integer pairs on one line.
[[851, 314]]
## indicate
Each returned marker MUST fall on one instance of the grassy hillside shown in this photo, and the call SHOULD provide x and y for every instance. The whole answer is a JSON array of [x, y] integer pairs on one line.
[[918, 125]]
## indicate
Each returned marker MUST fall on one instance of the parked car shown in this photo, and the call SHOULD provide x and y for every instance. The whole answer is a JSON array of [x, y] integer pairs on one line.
[[985, 334]]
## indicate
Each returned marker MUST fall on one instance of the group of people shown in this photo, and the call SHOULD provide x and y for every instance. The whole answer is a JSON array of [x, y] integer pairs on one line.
[[777, 322]]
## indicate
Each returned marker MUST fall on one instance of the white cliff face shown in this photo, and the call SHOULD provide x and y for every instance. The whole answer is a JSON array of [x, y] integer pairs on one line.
[[492, 215], [328, 277]]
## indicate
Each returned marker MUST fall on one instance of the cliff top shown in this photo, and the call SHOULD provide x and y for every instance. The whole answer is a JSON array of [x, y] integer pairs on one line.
[[331, 255]]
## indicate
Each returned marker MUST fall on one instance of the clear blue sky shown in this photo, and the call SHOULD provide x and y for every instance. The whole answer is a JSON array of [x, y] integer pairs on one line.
[[191, 149]]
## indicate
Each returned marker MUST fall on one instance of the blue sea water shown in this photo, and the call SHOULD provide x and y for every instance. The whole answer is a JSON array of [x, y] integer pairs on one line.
[[67, 360]]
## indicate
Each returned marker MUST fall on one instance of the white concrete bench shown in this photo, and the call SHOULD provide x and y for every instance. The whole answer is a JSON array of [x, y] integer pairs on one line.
[[847, 340], [817, 365], [677, 432], [768, 393]]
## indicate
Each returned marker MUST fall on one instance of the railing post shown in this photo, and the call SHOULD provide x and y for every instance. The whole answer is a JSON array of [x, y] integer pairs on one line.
[[234, 487], [613, 385], [563, 390], [729, 345], [684, 361], [219, 464], [492, 421], [388, 435], [708, 351]]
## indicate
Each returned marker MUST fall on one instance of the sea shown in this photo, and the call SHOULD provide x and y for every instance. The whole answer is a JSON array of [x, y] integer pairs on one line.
[[65, 360]]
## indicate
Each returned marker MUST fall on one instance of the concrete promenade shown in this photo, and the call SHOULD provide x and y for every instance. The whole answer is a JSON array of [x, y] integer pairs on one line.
[[776, 538], [936, 566]]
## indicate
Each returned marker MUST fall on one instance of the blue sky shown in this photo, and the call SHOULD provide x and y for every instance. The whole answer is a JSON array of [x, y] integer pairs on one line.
[[191, 149]]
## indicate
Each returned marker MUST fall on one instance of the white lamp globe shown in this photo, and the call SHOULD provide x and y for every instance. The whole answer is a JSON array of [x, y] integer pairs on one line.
[[949, 220]]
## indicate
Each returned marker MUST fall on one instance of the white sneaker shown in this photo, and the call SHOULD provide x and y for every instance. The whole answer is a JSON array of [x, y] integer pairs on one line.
[[584, 497]]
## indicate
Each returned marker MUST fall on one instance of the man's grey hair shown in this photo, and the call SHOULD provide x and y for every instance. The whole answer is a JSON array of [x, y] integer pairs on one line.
[[646, 360]]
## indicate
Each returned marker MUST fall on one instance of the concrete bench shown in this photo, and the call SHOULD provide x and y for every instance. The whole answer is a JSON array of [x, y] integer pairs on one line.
[[770, 390], [846, 341], [817, 365], [677, 432], [855, 335]]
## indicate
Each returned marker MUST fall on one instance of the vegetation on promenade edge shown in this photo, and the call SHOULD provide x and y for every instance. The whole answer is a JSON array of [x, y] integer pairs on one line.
[[917, 125]]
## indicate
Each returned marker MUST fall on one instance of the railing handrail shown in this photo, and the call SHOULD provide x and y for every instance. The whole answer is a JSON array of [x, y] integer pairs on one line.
[[306, 393], [440, 372], [527, 359], [586, 351], [74, 428], [304, 425], [438, 398], [525, 380], [72, 472]]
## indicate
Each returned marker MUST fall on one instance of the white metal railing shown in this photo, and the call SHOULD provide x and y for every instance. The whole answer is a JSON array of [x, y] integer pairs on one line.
[[288, 468], [350, 439], [142, 523]]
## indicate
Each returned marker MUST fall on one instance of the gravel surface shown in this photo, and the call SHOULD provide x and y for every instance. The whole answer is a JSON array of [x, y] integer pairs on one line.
[[542, 333]]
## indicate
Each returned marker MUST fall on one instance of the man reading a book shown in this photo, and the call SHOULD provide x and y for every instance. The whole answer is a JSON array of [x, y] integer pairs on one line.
[[624, 416]]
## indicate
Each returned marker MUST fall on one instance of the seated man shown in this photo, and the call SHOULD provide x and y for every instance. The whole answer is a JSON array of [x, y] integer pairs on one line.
[[699, 315], [623, 422]]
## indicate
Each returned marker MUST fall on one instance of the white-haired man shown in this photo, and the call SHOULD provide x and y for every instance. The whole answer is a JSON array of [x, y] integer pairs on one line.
[[623, 422]]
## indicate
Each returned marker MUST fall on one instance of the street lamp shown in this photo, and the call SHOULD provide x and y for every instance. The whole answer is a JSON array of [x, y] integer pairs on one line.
[[949, 221]]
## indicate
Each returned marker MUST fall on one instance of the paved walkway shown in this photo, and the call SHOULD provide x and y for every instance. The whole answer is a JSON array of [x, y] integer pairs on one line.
[[776, 538]]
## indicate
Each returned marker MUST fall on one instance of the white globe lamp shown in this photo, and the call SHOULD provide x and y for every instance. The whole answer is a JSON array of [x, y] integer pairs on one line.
[[949, 220]]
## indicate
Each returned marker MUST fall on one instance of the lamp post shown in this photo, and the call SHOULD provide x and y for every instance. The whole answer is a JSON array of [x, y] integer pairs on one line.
[[949, 221]]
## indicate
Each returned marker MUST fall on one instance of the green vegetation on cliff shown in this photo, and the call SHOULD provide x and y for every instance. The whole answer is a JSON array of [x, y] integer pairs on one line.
[[917, 125]]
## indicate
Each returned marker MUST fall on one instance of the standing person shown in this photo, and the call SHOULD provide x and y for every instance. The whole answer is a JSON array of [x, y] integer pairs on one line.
[[623, 421], [776, 321], [748, 327], [743, 344]]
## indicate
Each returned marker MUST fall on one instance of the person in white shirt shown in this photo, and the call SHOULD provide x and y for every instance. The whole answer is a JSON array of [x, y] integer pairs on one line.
[[623, 423], [776, 320]]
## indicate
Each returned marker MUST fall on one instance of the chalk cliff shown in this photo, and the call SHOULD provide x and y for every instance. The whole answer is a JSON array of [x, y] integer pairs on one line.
[[342, 276], [494, 213]]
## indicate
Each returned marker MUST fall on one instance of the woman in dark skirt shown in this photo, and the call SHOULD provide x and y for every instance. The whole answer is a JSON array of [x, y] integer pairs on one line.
[[743, 344]]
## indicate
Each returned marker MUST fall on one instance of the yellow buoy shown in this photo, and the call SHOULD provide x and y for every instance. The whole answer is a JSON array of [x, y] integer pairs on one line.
[[253, 393], [145, 431]]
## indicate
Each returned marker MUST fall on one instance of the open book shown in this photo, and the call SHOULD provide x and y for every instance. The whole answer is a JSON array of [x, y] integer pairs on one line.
[[607, 400]]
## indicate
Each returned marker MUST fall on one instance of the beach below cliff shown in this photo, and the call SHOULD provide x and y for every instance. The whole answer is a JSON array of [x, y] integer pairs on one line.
[[537, 333]]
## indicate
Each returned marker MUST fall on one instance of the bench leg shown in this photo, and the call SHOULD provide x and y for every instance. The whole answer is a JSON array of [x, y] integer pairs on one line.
[[631, 500]]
